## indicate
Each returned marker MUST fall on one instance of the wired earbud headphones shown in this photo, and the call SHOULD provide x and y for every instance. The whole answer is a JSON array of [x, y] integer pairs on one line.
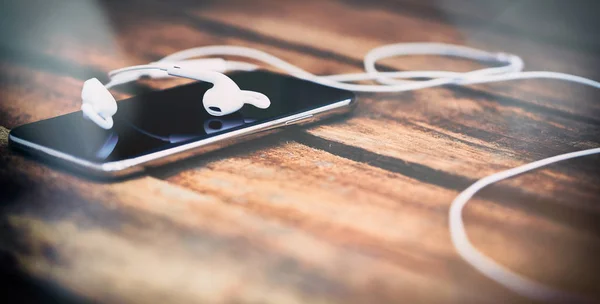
[[225, 97]]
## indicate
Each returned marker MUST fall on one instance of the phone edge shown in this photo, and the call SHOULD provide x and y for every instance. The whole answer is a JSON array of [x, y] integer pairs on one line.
[[137, 165]]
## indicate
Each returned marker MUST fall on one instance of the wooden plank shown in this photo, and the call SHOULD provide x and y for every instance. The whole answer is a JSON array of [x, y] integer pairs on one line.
[[145, 234], [31, 95], [572, 24], [356, 205], [136, 42], [83, 219]]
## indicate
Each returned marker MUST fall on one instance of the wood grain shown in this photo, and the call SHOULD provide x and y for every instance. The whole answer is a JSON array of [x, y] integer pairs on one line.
[[352, 211]]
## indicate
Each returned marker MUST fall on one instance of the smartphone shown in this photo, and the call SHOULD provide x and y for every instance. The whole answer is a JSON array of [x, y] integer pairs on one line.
[[164, 126]]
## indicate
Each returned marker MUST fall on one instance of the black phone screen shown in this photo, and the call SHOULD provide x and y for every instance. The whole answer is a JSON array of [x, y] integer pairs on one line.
[[162, 120]]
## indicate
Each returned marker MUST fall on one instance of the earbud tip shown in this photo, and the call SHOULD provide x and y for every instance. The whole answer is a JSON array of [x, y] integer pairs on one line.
[[257, 99]]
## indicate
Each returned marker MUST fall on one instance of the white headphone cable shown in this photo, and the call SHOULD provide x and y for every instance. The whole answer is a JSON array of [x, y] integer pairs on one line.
[[512, 63], [487, 266], [397, 82]]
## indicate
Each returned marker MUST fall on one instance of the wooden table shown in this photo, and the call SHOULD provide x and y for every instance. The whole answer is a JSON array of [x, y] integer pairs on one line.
[[355, 211]]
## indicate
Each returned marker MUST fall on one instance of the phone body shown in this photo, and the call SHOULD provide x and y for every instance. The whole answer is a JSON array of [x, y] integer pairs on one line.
[[160, 127]]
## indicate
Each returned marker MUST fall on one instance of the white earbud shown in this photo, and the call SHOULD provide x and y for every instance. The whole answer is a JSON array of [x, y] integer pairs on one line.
[[225, 97], [98, 104]]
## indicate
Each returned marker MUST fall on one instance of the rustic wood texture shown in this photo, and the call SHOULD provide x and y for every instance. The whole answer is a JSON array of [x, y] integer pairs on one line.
[[353, 211]]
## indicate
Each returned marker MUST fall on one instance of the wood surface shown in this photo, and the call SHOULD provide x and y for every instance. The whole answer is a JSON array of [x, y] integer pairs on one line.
[[353, 211]]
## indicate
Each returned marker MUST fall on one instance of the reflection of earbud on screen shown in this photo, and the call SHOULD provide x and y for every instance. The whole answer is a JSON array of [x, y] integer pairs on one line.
[[212, 125], [217, 124], [108, 146], [175, 138]]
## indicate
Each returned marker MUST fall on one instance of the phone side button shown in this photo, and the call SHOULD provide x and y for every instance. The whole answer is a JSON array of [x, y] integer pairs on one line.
[[298, 120]]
